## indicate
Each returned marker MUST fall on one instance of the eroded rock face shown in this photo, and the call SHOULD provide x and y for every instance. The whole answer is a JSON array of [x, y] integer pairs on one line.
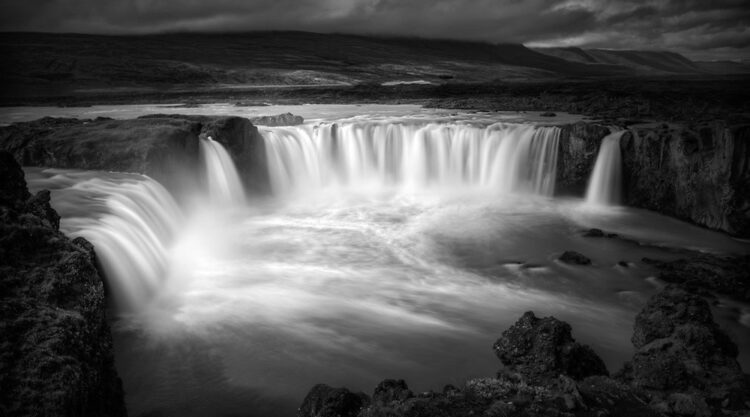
[[680, 350], [543, 348], [579, 144], [164, 147], [700, 174], [56, 355]]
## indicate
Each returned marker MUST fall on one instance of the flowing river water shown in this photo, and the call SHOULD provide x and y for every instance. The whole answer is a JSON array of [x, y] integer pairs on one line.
[[390, 247]]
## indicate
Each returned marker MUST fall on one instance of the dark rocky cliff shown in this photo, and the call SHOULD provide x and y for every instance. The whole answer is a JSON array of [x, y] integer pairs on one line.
[[699, 174], [164, 147], [56, 355]]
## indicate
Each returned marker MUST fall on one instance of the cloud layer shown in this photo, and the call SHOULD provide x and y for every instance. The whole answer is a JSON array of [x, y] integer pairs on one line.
[[718, 29]]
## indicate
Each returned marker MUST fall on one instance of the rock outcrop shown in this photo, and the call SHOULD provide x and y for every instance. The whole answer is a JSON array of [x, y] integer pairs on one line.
[[56, 356], [684, 365], [284, 119], [164, 147], [579, 144], [682, 357], [700, 174], [543, 348]]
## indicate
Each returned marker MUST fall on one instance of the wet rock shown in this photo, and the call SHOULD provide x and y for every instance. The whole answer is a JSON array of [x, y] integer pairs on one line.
[[679, 349], [728, 275], [572, 257], [326, 401], [391, 390], [543, 348], [594, 233]]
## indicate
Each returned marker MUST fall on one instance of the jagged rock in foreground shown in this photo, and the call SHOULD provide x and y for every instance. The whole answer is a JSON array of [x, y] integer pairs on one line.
[[543, 348], [684, 366], [56, 355], [682, 357]]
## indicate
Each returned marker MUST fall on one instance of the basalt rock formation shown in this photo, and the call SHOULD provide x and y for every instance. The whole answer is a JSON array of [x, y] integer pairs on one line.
[[684, 365], [700, 174], [164, 147], [56, 355]]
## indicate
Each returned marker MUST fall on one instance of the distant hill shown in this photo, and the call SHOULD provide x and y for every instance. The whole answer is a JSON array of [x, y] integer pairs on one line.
[[55, 65], [50, 64], [645, 62]]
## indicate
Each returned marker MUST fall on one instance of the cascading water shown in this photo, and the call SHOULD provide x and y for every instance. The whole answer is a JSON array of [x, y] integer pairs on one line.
[[605, 184], [131, 220], [500, 157], [224, 184]]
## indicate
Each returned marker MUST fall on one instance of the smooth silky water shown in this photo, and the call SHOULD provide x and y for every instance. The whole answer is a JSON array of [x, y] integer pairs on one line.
[[388, 249]]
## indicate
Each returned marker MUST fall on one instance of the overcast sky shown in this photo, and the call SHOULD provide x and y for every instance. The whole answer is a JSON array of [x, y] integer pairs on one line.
[[700, 29]]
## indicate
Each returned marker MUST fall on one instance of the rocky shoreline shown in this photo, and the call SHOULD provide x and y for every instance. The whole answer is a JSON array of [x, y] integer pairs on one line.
[[683, 365]]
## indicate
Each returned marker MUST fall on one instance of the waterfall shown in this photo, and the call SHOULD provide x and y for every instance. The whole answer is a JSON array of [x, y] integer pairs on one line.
[[605, 183], [130, 219], [224, 184], [367, 155]]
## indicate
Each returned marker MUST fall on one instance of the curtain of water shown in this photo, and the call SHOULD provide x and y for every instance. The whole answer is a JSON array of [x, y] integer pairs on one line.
[[500, 157], [605, 183]]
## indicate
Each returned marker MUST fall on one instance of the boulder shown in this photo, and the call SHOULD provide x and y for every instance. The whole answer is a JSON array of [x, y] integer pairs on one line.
[[573, 257], [391, 390], [543, 348], [679, 349], [326, 401]]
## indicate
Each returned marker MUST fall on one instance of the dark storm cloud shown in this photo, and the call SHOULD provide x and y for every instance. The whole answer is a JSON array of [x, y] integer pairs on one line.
[[699, 27]]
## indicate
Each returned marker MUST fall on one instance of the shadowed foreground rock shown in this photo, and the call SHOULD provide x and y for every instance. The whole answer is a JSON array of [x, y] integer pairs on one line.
[[684, 366], [56, 355], [543, 348], [683, 359]]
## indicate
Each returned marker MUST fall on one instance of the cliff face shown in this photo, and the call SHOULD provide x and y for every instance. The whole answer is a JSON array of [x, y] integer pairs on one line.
[[164, 147], [579, 144], [701, 175], [56, 355]]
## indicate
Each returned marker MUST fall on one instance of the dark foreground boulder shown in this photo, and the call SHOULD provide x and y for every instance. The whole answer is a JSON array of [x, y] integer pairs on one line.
[[543, 348], [325, 401], [56, 356], [683, 358]]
